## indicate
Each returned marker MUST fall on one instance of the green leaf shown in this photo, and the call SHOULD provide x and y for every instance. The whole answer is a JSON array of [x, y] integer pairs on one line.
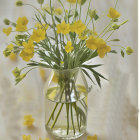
[[122, 53], [57, 19], [96, 75], [97, 79], [83, 2], [96, 17], [115, 40], [113, 51], [39, 64], [88, 75], [92, 66]]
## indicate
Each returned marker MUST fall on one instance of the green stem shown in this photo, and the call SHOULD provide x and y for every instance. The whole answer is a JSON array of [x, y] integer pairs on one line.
[[105, 28], [116, 4], [52, 113], [87, 12], [80, 11], [119, 46], [57, 115], [110, 35], [67, 110], [56, 36], [72, 119], [75, 106]]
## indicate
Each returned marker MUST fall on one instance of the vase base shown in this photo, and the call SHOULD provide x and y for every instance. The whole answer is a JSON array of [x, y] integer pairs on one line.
[[62, 134]]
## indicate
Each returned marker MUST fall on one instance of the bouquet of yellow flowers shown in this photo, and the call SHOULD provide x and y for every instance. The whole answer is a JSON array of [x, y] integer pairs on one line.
[[73, 42], [70, 45]]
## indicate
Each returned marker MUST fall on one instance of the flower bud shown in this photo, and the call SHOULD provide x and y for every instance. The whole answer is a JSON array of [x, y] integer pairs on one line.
[[16, 72], [115, 26], [40, 1], [19, 3], [6, 21], [20, 77], [129, 50], [13, 24], [7, 52], [82, 1]]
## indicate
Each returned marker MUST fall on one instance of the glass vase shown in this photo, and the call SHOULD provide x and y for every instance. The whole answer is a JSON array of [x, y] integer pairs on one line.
[[66, 103]]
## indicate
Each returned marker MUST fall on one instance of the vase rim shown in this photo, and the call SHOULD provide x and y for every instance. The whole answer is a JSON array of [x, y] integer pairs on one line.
[[64, 70]]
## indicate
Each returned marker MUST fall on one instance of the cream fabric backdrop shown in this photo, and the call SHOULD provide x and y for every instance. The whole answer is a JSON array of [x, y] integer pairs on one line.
[[113, 111]]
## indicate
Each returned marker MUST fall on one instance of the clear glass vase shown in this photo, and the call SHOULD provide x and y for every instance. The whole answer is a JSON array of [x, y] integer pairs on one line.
[[66, 103]]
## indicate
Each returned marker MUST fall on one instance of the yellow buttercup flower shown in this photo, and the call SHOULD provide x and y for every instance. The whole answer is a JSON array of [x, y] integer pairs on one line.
[[113, 13], [92, 137], [13, 57], [28, 120], [21, 25], [7, 31], [43, 26], [99, 44], [69, 47], [78, 27], [58, 11], [102, 50], [38, 35], [24, 137], [71, 1], [63, 28], [91, 43], [82, 37], [28, 51]]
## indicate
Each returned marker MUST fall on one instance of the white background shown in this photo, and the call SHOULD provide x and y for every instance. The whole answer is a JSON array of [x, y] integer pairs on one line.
[[112, 109]]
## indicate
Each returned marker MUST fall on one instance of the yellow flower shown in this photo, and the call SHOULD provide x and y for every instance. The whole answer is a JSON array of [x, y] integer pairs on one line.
[[63, 28], [129, 50], [24, 137], [8, 50], [113, 13], [7, 31], [42, 74], [99, 44], [68, 47], [39, 26], [82, 37], [58, 11], [91, 43], [38, 35], [71, 1], [28, 120], [92, 137], [13, 57], [28, 51], [102, 48], [21, 25], [78, 27]]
